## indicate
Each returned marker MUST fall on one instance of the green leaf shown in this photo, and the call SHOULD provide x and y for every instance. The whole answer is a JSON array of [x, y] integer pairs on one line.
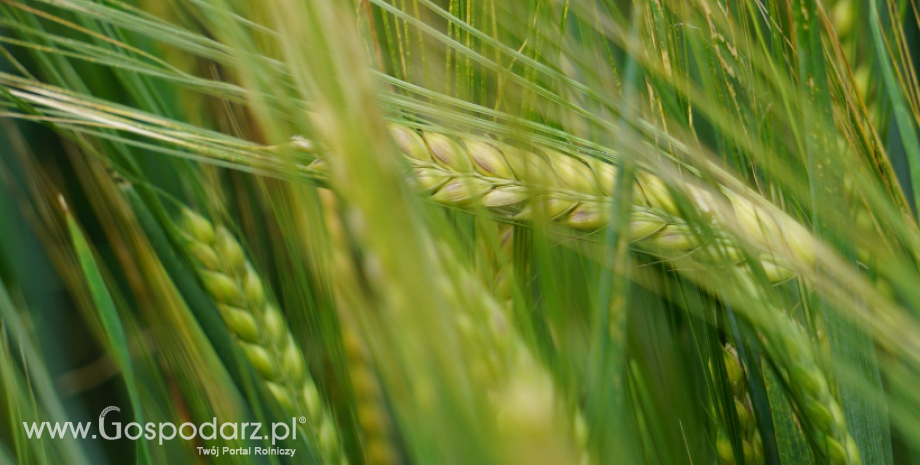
[[849, 343], [793, 448], [108, 314]]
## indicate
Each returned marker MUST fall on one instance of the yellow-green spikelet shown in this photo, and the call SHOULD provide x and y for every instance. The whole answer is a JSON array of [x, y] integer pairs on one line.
[[370, 410], [819, 411], [259, 328], [751, 443]]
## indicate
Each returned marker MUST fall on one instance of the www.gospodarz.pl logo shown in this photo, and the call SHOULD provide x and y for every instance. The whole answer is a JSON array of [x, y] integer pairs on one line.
[[168, 431]]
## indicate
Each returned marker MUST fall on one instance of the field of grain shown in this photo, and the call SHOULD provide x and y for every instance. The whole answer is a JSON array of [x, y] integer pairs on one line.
[[459, 232]]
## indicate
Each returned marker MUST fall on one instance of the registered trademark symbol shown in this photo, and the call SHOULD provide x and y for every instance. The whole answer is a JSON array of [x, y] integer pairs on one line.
[[303, 420]]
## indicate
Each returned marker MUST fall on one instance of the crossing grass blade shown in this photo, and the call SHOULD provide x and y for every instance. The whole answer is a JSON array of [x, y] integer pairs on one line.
[[108, 314]]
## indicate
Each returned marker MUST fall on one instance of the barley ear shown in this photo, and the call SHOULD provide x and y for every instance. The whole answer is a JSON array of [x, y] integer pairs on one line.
[[751, 443], [373, 419], [574, 191], [259, 328], [788, 343]]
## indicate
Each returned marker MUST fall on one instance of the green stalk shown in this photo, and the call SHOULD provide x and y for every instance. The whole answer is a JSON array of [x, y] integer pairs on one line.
[[111, 322]]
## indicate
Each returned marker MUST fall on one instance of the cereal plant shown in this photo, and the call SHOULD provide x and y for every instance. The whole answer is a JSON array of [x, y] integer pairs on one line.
[[406, 232]]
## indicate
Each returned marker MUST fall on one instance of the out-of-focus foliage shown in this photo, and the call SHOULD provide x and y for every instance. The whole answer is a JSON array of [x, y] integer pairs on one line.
[[462, 231]]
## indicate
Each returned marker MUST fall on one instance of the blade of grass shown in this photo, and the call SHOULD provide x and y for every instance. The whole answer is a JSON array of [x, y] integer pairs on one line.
[[906, 128], [790, 442], [41, 380], [868, 426], [613, 301], [118, 342]]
